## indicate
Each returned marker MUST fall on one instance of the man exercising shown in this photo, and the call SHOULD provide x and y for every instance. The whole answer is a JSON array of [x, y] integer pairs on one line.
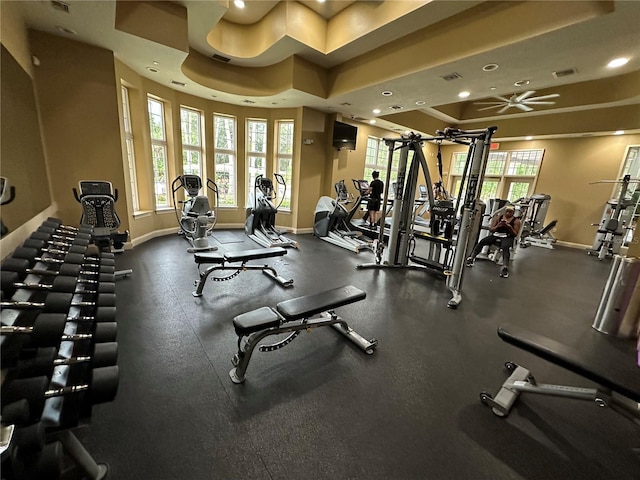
[[504, 228], [376, 187]]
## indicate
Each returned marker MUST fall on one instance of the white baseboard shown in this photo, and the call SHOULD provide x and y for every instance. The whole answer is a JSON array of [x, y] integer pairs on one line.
[[572, 245]]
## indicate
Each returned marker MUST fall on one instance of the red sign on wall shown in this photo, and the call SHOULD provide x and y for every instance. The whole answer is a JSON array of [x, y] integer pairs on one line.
[[494, 146]]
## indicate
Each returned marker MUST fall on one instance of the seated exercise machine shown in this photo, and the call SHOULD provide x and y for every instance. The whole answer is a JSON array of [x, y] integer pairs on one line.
[[196, 219], [98, 199], [293, 316], [616, 374], [260, 225], [7, 195], [237, 261], [362, 187], [534, 231], [331, 222], [616, 220]]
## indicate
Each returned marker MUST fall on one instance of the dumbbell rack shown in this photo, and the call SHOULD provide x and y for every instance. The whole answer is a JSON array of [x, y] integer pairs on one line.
[[36, 435]]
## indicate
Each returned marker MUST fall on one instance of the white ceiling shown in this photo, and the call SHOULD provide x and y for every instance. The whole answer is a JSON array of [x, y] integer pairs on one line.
[[586, 46]]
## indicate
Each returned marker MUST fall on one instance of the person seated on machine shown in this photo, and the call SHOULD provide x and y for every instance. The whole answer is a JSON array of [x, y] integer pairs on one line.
[[504, 229]]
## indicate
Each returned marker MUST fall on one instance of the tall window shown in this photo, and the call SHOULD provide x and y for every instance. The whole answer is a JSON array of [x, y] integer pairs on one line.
[[192, 152], [509, 175], [377, 158], [284, 159], [224, 152], [131, 158], [256, 153], [159, 152]]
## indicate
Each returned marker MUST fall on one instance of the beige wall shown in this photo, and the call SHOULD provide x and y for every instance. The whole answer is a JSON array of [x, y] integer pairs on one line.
[[568, 168]]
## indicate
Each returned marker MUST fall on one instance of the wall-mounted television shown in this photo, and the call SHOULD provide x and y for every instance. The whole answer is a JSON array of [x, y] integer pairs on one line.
[[344, 136]]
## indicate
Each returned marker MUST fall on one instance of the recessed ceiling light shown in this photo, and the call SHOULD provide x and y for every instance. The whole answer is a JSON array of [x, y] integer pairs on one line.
[[376, 111], [464, 94], [618, 132], [320, 1], [180, 84], [387, 93], [528, 137], [372, 122], [66, 30], [153, 70], [492, 88], [238, 3], [490, 67], [617, 62], [420, 102], [521, 83], [155, 63]]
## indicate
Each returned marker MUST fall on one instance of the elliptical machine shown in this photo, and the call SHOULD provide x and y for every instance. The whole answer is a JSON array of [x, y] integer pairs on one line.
[[196, 219], [260, 225]]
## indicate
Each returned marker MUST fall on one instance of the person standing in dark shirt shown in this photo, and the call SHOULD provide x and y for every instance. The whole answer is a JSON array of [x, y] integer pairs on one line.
[[376, 187]]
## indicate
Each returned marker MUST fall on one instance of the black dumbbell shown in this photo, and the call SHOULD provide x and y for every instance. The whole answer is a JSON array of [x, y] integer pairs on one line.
[[10, 282], [57, 224], [102, 386], [59, 241], [44, 360], [44, 247], [33, 254], [56, 302], [48, 331], [23, 266]]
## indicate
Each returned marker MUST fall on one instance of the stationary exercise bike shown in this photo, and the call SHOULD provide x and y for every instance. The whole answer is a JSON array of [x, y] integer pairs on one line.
[[260, 225], [196, 218]]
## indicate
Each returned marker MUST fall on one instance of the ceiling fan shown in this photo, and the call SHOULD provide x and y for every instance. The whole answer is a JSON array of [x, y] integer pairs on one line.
[[521, 101]]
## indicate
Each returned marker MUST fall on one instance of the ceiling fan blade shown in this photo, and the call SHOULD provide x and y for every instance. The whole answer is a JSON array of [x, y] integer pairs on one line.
[[523, 107], [524, 95], [538, 103], [503, 99], [488, 103], [489, 108], [543, 97], [504, 109]]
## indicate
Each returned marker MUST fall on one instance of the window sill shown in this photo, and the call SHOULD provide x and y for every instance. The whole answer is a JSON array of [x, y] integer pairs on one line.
[[164, 210], [142, 214]]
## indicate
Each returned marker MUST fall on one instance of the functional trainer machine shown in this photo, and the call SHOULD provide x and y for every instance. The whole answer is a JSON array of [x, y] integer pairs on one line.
[[332, 219], [616, 220], [444, 255], [260, 225], [196, 218]]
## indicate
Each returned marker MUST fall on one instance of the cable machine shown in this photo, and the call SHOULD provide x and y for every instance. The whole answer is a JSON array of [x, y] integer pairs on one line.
[[445, 254]]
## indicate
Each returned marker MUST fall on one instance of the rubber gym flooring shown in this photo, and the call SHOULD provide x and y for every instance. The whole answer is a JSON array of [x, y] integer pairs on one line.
[[322, 409]]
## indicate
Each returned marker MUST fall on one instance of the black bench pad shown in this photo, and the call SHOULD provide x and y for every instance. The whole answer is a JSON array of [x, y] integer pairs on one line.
[[310, 305], [245, 255], [208, 257], [255, 321], [611, 369]]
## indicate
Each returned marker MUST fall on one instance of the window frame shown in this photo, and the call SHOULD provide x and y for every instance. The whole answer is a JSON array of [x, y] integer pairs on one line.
[[162, 145], [252, 154], [130, 147], [286, 202], [232, 153], [378, 145], [192, 148]]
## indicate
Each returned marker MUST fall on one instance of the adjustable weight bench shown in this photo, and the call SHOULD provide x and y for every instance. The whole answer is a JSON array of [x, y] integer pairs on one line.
[[293, 316], [223, 261], [617, 375]]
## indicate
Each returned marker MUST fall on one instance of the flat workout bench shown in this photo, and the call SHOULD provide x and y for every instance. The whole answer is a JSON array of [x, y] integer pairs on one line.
[[222, 262], [617, 375], [293, 316]]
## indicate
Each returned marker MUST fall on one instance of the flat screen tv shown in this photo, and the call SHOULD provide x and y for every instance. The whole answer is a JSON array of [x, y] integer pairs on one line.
[[344, 136]]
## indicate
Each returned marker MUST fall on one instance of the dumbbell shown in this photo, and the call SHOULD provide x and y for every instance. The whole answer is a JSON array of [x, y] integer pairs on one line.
[[63, 249], [48, 331], [47, 463], [102, 386], [44, 360], [58, 240], [32, 254], [56, 302], [23, 266], [10, 282], [57, 224]]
